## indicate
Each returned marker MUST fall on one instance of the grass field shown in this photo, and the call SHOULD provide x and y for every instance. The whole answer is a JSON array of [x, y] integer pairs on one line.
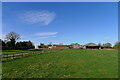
[[64, 63]]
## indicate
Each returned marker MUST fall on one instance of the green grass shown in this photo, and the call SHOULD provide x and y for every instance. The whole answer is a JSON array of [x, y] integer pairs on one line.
[[65, 63], [20, 51]]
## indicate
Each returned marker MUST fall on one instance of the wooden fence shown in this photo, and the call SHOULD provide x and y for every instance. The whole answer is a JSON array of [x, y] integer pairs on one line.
[[12, 56]]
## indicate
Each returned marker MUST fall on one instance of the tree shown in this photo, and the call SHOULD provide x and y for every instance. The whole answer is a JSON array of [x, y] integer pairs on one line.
[[25, 45], [74, 44], [50, 44], [30, 45], [42, 45], [107, 45], [18, 45], [2, 43], [99, 44], [12, 37], [117, 45]]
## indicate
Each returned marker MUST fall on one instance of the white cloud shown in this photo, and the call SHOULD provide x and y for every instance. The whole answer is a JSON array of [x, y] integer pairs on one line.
[[42, 17], [46, 33], [46, 37]]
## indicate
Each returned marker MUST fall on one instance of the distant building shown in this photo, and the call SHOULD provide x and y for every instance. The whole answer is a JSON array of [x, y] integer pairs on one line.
[[62, 46], [58, 46], [76, 46], [91, 46], [50, 46]]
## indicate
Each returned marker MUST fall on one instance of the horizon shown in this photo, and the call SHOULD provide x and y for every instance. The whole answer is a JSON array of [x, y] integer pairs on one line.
[[63, 22]]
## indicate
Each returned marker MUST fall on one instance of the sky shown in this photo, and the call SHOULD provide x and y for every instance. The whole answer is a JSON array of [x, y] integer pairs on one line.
[[60, 0], [62, 22]]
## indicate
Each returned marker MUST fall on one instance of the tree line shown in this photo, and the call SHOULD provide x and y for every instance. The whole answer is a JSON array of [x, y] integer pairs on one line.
[[11, 38], [11, 42], [109, 45], [105, 45]]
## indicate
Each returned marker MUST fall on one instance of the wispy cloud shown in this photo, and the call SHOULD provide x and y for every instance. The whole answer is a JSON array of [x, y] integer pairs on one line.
[[46, 33], [45, 37], [42, 17]]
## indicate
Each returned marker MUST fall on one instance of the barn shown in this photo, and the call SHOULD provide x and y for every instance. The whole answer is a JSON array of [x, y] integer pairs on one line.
[[91, 46], [61, 46]]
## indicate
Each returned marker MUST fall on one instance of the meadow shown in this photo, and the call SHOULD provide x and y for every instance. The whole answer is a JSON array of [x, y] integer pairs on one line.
[[63, 63]]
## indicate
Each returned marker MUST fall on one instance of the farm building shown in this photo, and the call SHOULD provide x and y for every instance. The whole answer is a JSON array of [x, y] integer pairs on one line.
[[91, 46], [61, 46], [51, 46], [58, 46], [76, 46]]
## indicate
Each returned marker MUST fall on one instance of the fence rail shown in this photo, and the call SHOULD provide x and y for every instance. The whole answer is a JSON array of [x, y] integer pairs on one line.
[[12, 56]]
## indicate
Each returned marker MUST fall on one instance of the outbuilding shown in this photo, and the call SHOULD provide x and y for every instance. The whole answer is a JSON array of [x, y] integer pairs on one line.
[[76, 46], [91, 46]]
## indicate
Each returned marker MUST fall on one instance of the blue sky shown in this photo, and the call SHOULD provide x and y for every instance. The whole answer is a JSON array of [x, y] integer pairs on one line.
[[64, 22]]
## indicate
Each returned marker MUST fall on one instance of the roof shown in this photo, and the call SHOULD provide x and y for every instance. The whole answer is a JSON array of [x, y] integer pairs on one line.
[[62, 45], [90, 44], [75, 44]]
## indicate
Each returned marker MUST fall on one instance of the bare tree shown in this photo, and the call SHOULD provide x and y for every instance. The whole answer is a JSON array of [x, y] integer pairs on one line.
[[12, 37]]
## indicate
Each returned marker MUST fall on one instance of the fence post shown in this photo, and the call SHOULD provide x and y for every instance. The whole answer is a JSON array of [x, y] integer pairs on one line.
[[6, 56], [29, 54], [13, 56], [22, 55]]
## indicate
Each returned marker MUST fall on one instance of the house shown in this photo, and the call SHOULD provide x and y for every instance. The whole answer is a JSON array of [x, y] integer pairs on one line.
[[91, 46], [50, 46], [76, 46]]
